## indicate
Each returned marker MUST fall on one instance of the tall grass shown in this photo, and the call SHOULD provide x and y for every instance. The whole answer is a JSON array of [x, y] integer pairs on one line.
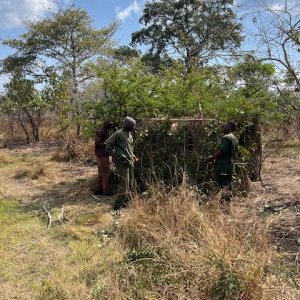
[[177, 249]]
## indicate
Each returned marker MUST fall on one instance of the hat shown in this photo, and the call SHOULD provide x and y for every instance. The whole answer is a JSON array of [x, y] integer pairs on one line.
[[129, 122]]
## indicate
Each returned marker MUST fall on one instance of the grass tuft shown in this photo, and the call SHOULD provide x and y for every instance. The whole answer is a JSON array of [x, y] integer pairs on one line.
[[37, 171], [5, 159], [22, 173]]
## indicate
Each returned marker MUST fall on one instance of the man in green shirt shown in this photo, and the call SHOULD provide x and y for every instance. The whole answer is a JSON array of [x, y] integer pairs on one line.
[[120, 146], [224, 158]]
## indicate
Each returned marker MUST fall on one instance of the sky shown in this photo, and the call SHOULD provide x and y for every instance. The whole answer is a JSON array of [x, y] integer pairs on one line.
[[103, 12]]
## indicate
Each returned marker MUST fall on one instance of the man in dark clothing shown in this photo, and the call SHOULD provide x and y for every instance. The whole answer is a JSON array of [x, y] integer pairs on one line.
[[120, 146], [103, 182], [224, 159]]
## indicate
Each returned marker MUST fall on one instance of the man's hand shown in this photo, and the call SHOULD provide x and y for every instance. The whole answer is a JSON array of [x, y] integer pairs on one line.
[[217, 155], [209, 160]]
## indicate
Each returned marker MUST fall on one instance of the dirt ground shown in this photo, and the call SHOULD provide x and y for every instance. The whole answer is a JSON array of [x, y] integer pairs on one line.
[[60, 183], [278, 202]]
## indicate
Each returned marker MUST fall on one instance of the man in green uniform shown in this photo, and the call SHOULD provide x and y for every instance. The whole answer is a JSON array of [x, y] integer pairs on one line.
[[120, 146], [224, 159]]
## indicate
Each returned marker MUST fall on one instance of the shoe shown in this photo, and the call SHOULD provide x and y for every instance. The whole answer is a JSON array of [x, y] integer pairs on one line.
[[119, 206], [98, 192], [107, 193]]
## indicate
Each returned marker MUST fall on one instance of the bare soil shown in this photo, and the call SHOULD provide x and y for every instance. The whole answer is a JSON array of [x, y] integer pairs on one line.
[[277, 201]]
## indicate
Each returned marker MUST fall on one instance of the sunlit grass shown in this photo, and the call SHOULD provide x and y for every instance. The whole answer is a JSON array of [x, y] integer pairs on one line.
[[63, 262]]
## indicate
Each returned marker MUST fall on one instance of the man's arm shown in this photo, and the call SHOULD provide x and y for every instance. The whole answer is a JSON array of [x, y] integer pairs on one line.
[[110, 143], [212, 158], [223, 147], [99, 140]]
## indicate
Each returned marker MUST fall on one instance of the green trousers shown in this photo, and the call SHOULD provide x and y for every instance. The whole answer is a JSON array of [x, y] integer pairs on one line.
[[225, 182], [126, 184]]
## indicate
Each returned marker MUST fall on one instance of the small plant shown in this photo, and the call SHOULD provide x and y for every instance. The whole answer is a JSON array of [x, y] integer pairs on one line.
[[229, 284], [135, 255]]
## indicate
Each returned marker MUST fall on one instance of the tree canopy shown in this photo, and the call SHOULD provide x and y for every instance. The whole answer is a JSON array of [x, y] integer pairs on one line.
[[192, 30]]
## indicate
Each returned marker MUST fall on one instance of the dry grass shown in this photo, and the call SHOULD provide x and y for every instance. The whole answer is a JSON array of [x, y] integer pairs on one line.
[[80, 150], [176, 250], [286, 148], [74, 149], [35, 172], [63, 262], [165, 246], [5, 159], [60, 155]]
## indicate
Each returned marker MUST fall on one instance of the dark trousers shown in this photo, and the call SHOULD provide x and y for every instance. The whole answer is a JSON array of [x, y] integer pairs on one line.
[[103, 182], [225, 182]]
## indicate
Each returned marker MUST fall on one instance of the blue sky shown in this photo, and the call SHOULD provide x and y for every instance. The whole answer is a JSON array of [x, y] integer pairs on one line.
[[103, 12], [127, 12]]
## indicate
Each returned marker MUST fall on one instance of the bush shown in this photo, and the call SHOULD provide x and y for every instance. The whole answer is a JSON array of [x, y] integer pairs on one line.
[[167, 151]]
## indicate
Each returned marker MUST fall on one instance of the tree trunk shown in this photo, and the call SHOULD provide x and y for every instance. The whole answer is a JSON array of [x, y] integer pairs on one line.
[[23, 126], [34, 127]]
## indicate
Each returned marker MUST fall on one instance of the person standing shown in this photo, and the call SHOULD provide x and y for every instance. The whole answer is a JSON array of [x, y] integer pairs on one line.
[[224, 159], [103, 182], [120, 146]]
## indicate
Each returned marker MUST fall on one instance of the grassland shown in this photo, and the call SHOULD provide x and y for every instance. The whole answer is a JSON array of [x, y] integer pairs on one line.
[[164, 246]]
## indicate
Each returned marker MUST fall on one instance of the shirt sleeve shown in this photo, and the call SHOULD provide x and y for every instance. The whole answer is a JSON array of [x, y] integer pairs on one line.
[[110, 143]]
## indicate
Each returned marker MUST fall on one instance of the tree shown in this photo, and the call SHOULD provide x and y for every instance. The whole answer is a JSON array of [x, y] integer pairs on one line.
[[192, 30], [278, 41], [24, 105], [125, 53], [64, 42]]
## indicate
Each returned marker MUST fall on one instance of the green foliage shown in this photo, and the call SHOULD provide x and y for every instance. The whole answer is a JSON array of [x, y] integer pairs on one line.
[[134, 90], [168, 153], [229, 284], [67, 37]]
